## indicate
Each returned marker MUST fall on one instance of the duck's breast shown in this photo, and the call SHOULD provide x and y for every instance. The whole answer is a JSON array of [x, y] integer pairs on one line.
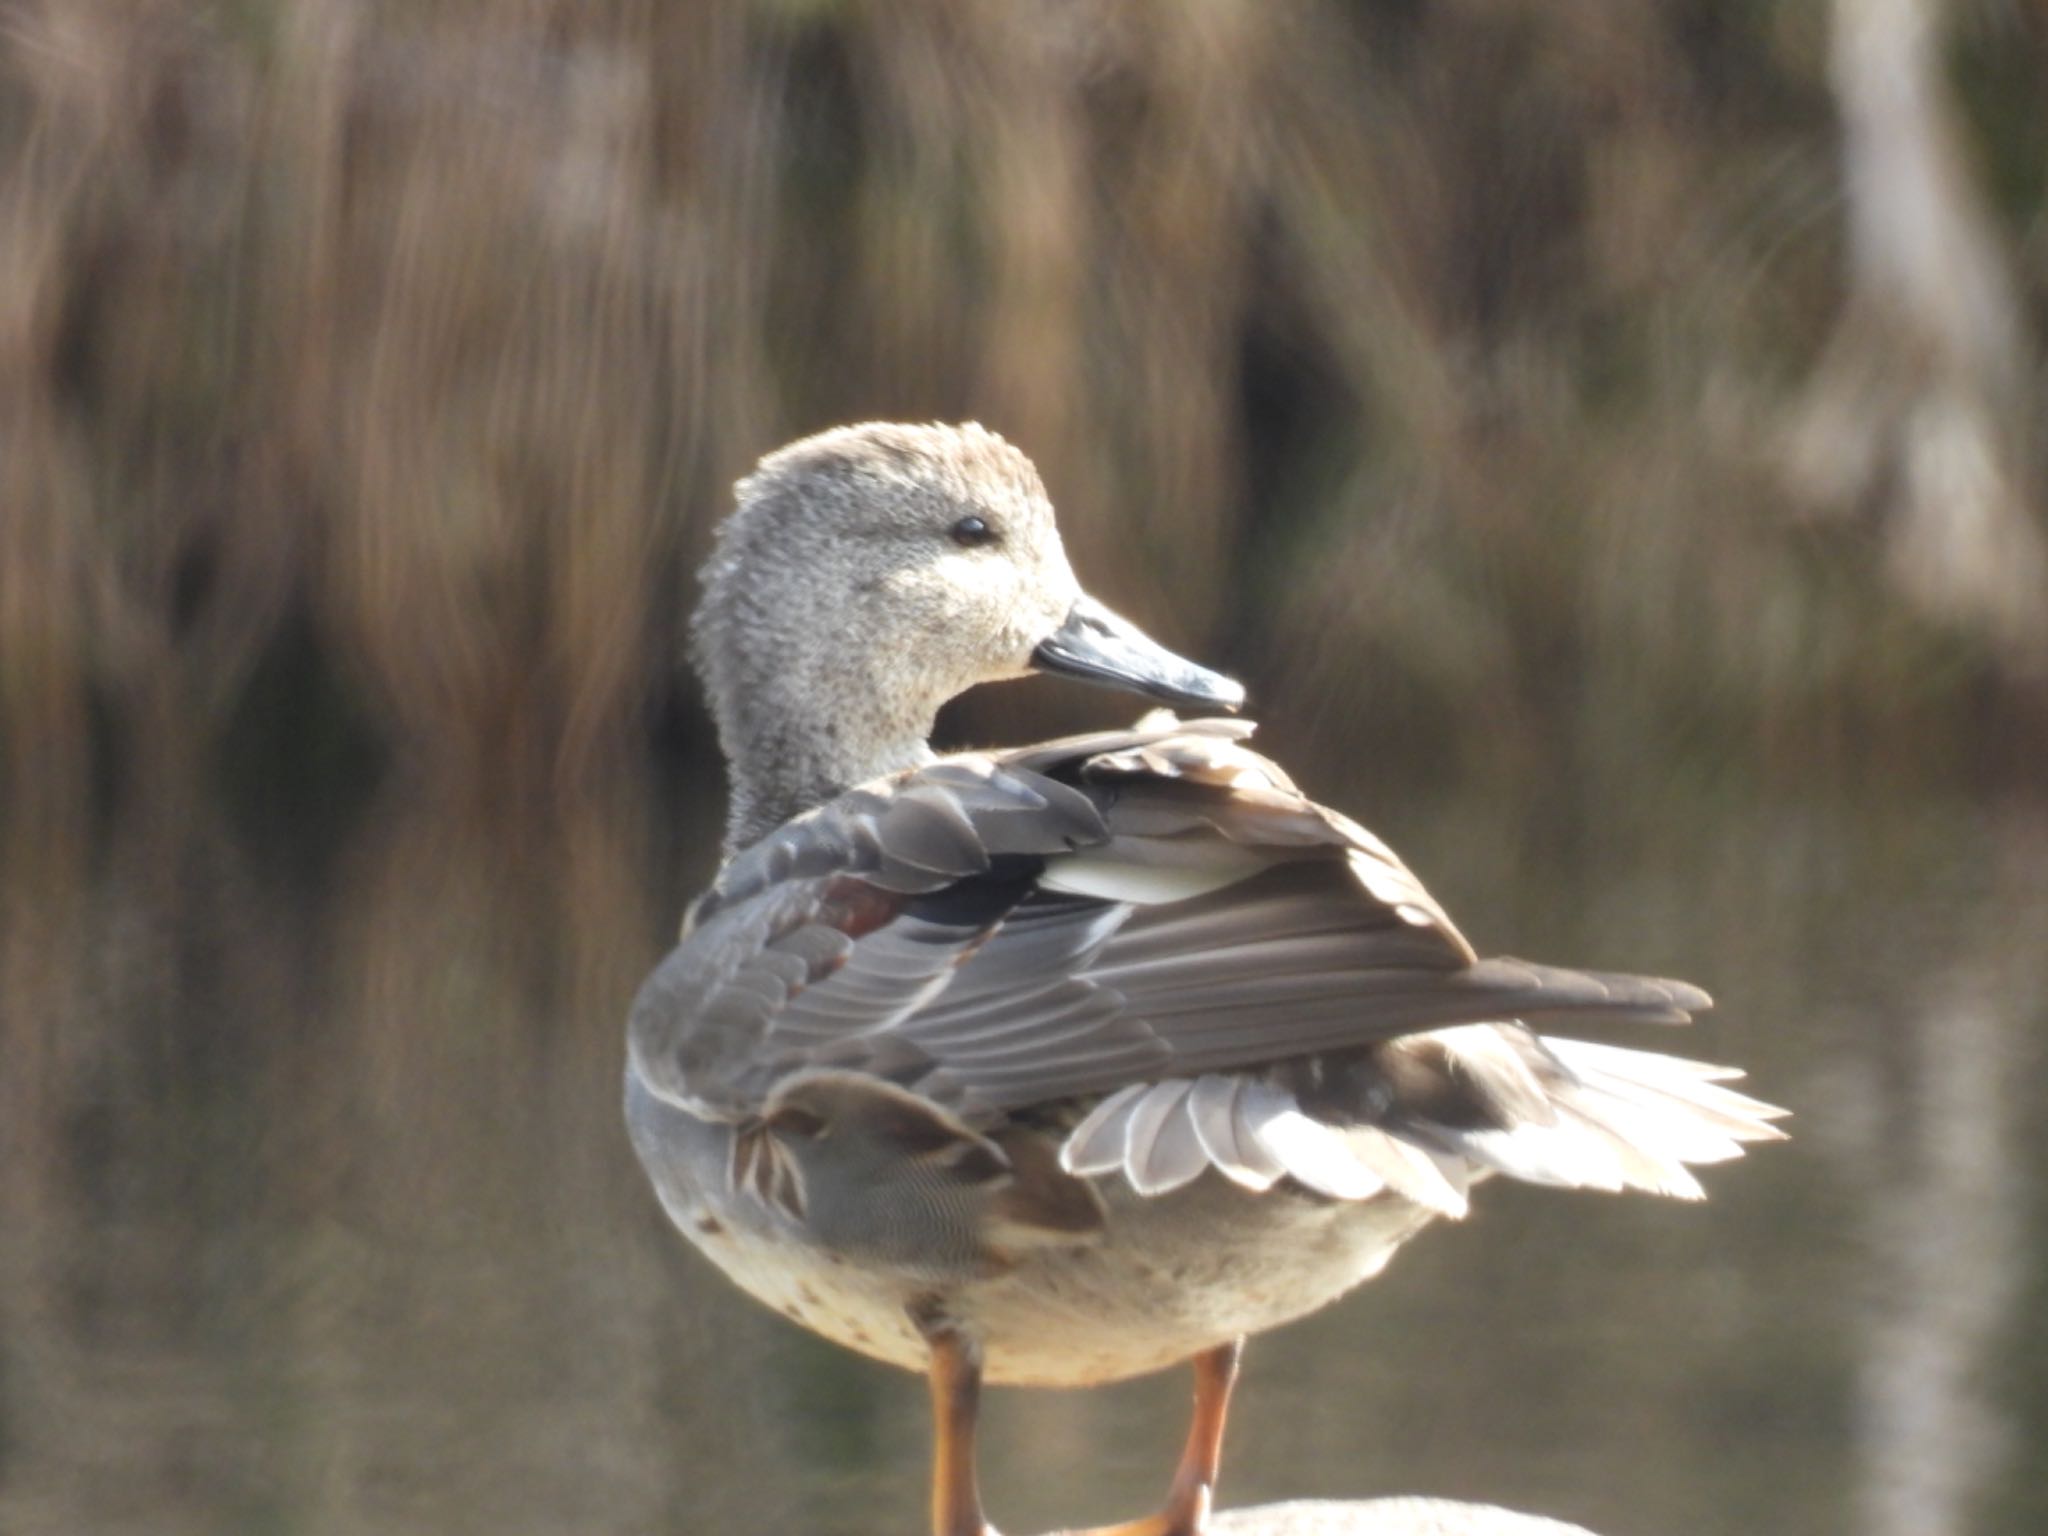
[[1165, 1278], [1179, 1273]]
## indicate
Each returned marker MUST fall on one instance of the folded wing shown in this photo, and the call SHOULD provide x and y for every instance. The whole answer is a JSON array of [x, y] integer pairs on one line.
[[1255, 982]]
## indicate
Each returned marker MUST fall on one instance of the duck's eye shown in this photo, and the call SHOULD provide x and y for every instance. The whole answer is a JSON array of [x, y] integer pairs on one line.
[[970, 532]]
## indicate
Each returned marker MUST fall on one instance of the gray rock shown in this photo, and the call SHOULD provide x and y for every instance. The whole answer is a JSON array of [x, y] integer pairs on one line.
[[1386, 1517]]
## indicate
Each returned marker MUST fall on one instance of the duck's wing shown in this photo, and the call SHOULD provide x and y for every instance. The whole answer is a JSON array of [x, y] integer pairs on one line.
[[1327, 1023], [821, 946], [998, 932]]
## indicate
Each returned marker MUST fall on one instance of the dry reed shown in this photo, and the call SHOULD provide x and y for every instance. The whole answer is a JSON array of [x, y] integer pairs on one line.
[[1444, 365]]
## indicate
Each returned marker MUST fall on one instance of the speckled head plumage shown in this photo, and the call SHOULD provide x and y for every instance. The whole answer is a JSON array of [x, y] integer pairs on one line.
[[866, 576]]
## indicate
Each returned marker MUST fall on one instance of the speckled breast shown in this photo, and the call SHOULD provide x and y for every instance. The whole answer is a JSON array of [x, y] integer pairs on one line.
[[1168, 1277]]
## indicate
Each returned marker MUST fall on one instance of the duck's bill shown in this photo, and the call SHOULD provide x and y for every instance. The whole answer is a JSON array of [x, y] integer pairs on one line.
[[1097, 646]]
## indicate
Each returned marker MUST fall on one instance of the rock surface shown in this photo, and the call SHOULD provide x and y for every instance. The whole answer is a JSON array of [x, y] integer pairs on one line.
[[1386, 1517]]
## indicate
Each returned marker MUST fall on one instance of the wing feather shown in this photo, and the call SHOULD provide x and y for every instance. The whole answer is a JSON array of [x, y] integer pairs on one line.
[[1156, 919], [1213, 1109]]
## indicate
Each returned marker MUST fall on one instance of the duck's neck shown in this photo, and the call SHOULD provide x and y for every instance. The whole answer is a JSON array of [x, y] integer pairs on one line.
[[792, 744]]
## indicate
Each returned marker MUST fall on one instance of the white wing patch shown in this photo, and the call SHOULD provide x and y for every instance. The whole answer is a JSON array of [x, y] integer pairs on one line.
[[1150, 872], [1162, 1136], [1617, 1119]]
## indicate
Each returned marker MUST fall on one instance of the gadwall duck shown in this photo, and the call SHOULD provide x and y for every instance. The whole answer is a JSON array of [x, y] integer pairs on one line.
[[1058, 1064]]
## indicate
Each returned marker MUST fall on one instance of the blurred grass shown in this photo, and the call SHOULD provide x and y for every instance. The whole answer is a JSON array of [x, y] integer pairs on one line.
[[1435, 366]]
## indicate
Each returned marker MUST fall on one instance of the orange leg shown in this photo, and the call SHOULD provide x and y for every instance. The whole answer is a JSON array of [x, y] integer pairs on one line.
[[955, 1375], [1194, 1482]]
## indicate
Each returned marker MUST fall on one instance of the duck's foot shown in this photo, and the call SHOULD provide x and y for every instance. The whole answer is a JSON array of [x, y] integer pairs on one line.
[[1194, 1483], [1179, 1518], [955, 1377]]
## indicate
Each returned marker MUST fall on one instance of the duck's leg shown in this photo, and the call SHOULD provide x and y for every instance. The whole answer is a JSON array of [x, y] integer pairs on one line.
[[955, 1375], [1194, 1481]]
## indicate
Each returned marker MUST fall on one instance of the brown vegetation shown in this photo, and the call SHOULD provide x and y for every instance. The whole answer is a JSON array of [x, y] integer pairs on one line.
[[1461, 362]]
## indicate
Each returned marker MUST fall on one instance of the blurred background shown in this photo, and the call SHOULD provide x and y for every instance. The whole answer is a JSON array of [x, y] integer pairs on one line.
[[1606, 439]]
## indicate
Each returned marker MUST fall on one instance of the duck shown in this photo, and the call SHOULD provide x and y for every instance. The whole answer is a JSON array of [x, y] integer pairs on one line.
[[1061, 1063]]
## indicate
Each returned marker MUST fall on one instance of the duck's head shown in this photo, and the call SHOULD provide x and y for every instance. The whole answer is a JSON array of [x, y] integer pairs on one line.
[[871, 573]]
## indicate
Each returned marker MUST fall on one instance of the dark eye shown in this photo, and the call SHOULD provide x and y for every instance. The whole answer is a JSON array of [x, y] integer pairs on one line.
[[971, 532]]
